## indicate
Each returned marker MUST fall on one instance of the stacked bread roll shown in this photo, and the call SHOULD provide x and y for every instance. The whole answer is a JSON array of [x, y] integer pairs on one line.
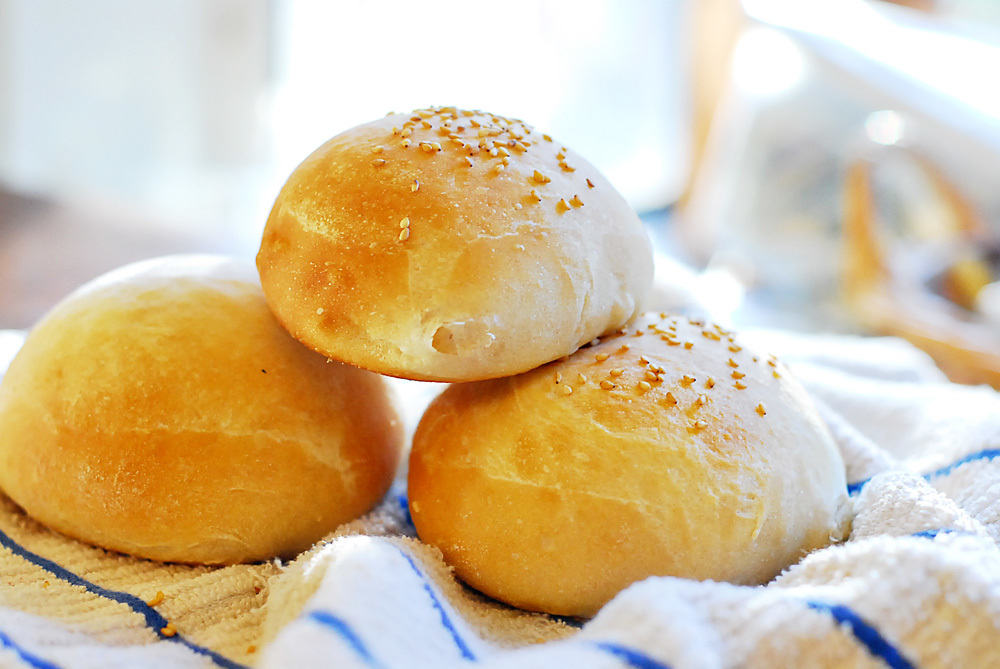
[[580, 448]]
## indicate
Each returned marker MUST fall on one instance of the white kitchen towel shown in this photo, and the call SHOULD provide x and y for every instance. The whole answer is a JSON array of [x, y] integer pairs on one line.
[[916, 584]]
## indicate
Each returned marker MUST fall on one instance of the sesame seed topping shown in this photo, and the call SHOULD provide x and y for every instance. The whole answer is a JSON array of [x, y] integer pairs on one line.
[[157, 599], [670, 341], [772, 363], [499, 168], [687, 380], [669, 399], [406, 132], [415, 186], [644, 386], [319, 311], [404, 234], [567, 168], [567, 390], [168, 630], [700, 400], [581, 378], [601, 357], [426, 125], [546, 138], [430, 147], [518, 205], [404, 222], [739, 386], [710, 382], [732, 363], [775, 374], [688, 345], [708, 334], [590, 184], [406, 143], [643, 360], [535, 196], [623, 348], [734, 348], [378, 162], [378, 149], [468, 162], [617, 371], [561, 206], [540, 178], [576, 201], [699, 425], [607, 385], [760, 410], [738, 375]]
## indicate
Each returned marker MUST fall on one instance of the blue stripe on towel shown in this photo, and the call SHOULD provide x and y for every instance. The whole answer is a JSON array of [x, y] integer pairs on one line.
[[867, 635], [445, 620], [930, 534], [25, 656], [404, 504], [985, 454], [347, 634], [630, 656], [154, 619]]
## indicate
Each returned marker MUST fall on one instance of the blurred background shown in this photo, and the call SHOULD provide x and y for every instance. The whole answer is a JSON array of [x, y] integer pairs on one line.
[[823, 165]]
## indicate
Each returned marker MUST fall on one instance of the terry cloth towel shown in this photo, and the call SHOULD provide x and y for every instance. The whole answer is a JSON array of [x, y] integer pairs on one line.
[[916, 584]]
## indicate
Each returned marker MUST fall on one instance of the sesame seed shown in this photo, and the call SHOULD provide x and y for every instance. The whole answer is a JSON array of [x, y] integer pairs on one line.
[[404, 234], [687, 380], [378, 162], [378, 149], [590, 184], [168, 630], [561, 206], [644, 386], [157, 599], [739, 386], [405, 222], [567, 168], [601, 357], [581, 378], [540, 178], [503, 152], [669, 399], [546, 138], [651, 376], [415, 186], [623, 348], [567, 390], [499, 168], [406, 143], [518, 205], [406, 132], [699, 425], [700, 400], [427, 126], [535, 196], [657, 369], [708, 334], [643, 360], [775, 374], [576, 201], [738, 375], [772, 363], [561, 156], [734, 348], [558, 377], [617, 371], [468, 162], [607, 385], [670, 341], [732, 363], [760, 410], [688, 344], [319, 311], [710, 382], [756, 359]]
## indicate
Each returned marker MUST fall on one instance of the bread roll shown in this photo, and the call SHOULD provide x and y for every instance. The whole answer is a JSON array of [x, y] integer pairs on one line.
[[431, 246], [162, 411], [671, 450]]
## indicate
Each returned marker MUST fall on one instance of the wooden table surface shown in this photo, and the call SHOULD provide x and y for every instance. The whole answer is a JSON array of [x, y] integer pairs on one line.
[[48, 248]]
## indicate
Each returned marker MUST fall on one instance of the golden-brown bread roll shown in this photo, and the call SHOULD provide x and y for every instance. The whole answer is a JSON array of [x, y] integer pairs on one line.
[[670, 450], [162, 411], [433, 245]]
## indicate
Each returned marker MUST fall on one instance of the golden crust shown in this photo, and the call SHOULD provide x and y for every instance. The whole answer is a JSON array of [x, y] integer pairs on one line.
[[674, 452], [162, 411], [436, 253]]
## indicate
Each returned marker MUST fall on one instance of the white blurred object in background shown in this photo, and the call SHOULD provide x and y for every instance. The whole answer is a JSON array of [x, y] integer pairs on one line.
[[196, 111]]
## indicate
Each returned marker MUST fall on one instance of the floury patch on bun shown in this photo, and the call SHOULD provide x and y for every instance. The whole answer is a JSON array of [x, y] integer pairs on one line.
[[451, 245]]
